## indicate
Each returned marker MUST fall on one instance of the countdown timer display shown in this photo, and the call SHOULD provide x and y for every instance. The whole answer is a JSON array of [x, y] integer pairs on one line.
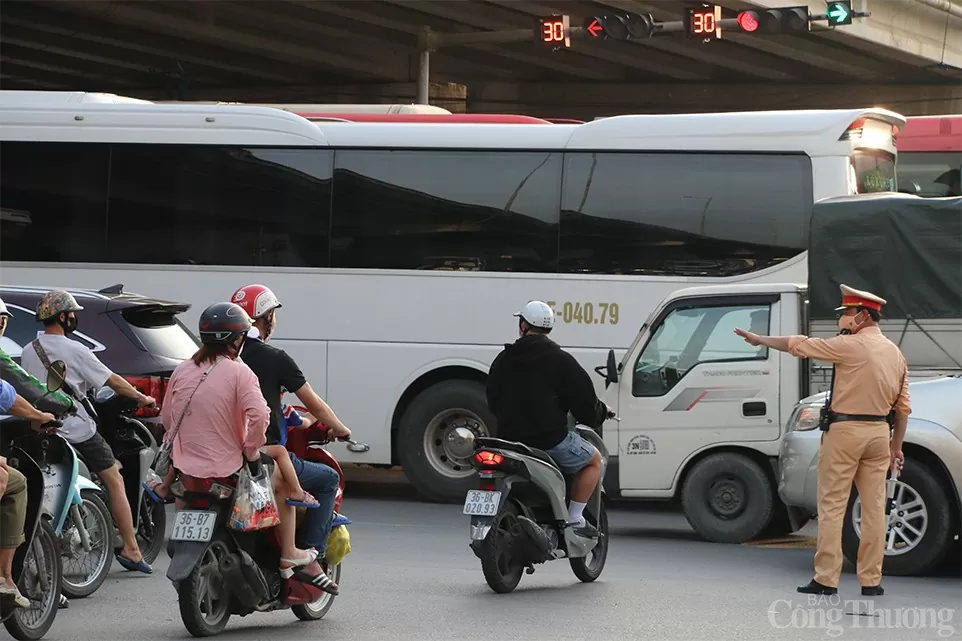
[[703, 22]]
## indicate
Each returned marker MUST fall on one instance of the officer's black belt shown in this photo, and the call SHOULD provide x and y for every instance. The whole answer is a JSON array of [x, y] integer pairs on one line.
[[867, 418]]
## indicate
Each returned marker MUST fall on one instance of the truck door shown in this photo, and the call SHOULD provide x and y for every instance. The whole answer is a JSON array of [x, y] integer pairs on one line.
[[695, 383]]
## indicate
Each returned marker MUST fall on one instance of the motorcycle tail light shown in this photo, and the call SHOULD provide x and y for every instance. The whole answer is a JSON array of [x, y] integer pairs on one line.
[[485, 457]]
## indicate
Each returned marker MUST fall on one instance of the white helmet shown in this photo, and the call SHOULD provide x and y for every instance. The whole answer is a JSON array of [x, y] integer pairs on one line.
[[3, 309], [537, 314]]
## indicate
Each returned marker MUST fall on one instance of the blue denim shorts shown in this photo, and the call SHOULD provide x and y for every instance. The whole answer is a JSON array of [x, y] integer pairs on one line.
[[572, 454]]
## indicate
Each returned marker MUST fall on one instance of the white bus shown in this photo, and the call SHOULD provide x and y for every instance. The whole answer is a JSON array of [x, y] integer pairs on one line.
[[400, 251]]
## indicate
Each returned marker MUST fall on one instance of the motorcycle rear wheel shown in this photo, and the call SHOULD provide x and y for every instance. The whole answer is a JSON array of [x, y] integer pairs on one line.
[[588, 570], [41, 566], [95, 511], [157, 513], [203, 597], [501, 574], [317, 610]]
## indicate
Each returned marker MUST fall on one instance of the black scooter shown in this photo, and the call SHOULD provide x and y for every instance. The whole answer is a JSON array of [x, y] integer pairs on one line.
[[135, 447], [36, 565]]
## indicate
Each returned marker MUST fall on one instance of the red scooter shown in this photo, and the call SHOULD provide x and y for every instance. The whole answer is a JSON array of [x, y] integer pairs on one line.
[[219, 572]]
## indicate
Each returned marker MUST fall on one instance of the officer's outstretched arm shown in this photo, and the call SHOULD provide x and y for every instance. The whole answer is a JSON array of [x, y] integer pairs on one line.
[[836, 349]]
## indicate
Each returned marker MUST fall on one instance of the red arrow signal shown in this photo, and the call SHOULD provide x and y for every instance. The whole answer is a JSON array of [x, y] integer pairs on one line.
[[594, 28]]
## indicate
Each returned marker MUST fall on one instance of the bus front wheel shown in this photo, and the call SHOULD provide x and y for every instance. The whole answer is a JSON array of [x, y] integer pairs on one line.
[[424, 439]]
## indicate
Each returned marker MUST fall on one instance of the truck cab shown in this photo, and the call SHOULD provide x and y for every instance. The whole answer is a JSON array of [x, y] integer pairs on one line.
[[702, 410]]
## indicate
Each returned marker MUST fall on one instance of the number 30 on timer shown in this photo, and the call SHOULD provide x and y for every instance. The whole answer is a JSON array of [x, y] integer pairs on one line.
[[554, 31]]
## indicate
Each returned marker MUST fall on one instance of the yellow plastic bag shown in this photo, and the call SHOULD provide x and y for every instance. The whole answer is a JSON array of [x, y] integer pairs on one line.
[[338, 545]]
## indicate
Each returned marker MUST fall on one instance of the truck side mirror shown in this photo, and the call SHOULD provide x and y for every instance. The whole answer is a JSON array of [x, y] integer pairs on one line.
[[611, 376]]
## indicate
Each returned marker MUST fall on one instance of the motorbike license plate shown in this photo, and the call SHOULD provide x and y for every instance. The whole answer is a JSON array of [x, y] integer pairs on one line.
[[482, 503], [193, 525]]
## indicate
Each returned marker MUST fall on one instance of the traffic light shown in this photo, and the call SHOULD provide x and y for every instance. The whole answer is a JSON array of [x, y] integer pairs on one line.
[[620, 26], [839, 13], [781, 20]]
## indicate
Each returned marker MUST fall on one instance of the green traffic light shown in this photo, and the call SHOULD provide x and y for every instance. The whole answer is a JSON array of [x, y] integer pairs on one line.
[[839, 13]]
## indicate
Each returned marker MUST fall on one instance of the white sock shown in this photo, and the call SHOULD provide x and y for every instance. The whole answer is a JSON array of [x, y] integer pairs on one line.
[[575, 513]]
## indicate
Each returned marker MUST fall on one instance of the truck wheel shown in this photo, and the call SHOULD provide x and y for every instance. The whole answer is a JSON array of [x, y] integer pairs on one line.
[[727, 498], [423, 444], [919, 532]]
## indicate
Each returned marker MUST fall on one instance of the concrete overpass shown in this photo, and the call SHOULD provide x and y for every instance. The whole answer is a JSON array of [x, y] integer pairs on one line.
[[907, 56]]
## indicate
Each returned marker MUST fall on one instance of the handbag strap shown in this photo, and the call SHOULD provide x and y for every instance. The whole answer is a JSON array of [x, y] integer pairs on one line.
[[176, 427]]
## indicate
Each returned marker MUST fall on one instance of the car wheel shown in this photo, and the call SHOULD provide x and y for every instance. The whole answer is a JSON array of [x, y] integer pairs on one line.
[[919, 532]]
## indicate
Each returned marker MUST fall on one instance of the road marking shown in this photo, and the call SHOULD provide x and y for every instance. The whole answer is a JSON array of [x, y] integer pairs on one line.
[[785, 542]]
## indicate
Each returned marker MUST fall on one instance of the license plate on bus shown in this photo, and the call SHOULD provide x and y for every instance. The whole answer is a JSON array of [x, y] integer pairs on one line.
[[482, 503], [194, 525]]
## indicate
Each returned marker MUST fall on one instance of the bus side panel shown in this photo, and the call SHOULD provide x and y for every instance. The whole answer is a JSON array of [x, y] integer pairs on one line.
[[367, 380]]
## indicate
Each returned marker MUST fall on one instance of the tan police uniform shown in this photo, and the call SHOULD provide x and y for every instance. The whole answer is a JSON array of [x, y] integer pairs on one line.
[[870, 377]]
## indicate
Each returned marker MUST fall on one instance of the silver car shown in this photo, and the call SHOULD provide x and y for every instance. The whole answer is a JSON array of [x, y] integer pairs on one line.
[[924, 525]]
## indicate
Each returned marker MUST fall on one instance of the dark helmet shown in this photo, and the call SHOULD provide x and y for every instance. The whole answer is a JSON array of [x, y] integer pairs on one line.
[[221, 323]]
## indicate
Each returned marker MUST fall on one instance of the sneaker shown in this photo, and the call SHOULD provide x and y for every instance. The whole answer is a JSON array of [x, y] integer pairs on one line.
[[13, 592], [586, 530]]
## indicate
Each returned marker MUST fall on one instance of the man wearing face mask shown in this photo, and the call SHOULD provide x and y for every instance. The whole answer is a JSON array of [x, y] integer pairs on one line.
[[278, 373], [870, 396], [57, 311]]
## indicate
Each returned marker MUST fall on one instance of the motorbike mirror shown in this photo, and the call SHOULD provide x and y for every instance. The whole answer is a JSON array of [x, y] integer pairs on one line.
[[56, 376], [357, 448], [611, 376], [460, 442]]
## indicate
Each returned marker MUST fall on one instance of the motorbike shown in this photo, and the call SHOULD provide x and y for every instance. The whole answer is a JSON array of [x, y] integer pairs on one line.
[[519, 513], [134, 447], [219, 572], [79, 516], [36, 563]]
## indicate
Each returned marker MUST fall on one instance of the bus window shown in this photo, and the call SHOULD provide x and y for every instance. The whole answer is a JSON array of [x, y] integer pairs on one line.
[[930, 174]]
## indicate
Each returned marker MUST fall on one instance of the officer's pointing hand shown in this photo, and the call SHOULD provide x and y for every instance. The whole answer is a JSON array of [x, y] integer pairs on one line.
[[750, 338]]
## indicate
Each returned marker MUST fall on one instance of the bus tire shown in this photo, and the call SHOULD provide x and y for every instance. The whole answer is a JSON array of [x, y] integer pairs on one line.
[[421, 435], [728, 498]]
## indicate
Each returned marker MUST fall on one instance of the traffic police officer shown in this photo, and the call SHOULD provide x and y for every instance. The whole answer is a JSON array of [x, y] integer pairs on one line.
[[870, 387]]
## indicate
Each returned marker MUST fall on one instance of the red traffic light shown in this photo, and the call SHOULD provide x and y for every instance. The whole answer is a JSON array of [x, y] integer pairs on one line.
[[748, 21]]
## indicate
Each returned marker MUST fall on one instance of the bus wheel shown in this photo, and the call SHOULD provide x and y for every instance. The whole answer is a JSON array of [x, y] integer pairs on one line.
[[424, 438], [728, 498]]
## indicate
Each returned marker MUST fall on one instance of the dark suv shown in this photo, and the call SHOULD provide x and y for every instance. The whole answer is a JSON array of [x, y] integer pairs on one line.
[[137, 337]]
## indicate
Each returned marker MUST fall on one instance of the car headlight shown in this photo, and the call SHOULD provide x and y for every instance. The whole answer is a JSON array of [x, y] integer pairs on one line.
[[804, 418]]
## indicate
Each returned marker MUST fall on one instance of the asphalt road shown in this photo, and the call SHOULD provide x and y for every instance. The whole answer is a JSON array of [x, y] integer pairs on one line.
[[412, 577]]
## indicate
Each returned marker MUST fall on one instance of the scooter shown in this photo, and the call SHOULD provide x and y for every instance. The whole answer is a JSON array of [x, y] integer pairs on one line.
[[79, 516], [36, 563], [219, 572], [519, 515], [134, 447]]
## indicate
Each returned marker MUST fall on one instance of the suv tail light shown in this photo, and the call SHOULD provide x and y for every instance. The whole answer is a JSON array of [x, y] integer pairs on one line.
[[155, 386]]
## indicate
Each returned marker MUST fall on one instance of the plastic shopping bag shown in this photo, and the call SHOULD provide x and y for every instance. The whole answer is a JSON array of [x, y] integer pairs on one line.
[[338, 545], [255, 506]]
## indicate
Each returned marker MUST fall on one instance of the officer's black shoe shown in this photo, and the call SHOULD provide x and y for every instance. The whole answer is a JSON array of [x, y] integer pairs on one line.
[[872, 590], [586, 530], [816, 588]]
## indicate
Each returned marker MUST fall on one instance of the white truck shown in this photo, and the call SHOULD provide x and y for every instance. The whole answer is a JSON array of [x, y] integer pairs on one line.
[[703, 413]]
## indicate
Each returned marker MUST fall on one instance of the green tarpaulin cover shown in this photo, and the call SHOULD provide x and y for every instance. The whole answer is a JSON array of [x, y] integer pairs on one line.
[[906, 249]]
